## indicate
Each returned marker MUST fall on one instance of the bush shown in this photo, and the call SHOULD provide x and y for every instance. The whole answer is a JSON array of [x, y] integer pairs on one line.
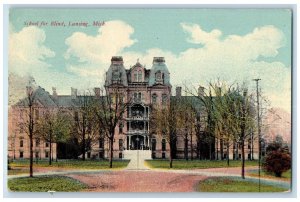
[[277, 162]]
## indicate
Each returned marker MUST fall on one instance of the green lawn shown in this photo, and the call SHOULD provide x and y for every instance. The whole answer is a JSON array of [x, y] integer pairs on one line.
[[78, 164], [44, 184], [285, 175], [202, 164], [226, 184]]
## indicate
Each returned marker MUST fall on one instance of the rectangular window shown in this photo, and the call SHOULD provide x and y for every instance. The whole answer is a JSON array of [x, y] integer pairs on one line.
[[37, 142], [120, 144], [101, 143], [163, 145], [47, 154], [21, 143], [89, 155], [101, 154], [163, 155], [37, 155], [153, 144], [21, 154], [76, 116], [249, 156], [121, 128], [120, 155], [37, 114], [47, 144]]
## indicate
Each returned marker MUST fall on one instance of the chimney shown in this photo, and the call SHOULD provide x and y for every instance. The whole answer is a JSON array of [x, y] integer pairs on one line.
[[97, 92], [178, 91], [29, 90], [73, 93], [200, 91], [117, 60], [158, 60], [54, 93]]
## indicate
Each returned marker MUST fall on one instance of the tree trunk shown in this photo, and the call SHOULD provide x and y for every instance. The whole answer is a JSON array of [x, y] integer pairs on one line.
[[243, 160], [111, 152], [31, 156], [50, 144], [56, 151], [170, 156], [83, 145], [227, 154], [192, 157]]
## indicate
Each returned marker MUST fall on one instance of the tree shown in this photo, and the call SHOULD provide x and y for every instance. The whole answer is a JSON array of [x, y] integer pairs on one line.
[[53, 127], [277, 162], [85, 127], [109, 110], [166, 121], [278, 158], [29, 124]]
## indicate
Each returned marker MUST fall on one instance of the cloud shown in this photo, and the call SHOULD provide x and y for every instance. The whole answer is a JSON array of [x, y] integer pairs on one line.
[[27, 51], [199, 36], [233, 58], [111, 39]]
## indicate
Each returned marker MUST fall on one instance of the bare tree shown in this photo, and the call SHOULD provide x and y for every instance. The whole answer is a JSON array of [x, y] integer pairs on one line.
[[166, 121], [109, 110], [85, 127], [29, 123]]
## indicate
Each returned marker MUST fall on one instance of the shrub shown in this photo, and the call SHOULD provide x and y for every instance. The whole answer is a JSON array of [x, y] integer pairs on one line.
[[277, 162]]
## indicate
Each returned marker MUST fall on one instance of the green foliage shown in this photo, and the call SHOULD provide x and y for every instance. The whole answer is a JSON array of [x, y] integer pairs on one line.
[[226, 184], [196, 164], [44, 184]]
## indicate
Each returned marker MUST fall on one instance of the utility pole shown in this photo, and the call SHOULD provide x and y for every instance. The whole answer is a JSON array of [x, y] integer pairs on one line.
[[258, 131]]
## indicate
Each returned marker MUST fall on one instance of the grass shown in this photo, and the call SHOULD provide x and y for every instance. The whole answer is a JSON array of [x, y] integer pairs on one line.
[[285, 175], [74, 164], [196, 164], [226, 184], [44, 184]]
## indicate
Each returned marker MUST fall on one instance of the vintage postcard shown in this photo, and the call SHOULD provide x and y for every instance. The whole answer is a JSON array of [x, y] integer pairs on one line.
[[149, 100]]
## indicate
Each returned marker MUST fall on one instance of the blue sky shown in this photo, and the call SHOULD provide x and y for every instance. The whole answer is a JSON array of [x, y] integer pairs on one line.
[[256, 42]]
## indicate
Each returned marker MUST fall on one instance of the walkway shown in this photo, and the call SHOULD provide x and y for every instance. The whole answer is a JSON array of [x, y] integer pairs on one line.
[[137, 159]]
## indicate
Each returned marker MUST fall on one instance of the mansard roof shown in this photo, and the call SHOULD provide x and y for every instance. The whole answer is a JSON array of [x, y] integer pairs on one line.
[[159, 65], [116, 72]]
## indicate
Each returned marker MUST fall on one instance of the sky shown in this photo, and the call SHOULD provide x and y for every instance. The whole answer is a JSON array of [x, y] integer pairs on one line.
[[199, 45]]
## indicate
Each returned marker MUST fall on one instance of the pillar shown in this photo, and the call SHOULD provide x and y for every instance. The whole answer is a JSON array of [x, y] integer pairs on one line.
[[129, 142]]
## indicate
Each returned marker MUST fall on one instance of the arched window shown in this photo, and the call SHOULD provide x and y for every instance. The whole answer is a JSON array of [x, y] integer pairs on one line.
[[135, 76], [154, 98], [140, 76]]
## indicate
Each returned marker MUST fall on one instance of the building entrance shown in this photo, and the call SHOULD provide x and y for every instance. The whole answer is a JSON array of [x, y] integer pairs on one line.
[[138, 142]]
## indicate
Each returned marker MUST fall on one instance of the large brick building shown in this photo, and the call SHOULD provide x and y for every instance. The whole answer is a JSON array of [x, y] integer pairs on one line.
[[144, 87]]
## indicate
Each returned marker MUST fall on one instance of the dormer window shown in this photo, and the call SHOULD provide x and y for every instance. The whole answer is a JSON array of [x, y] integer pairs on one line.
[[159, 77], [138, 76], [116, 75]]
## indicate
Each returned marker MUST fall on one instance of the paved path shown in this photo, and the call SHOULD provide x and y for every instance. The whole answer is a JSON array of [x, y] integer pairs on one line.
[[139, 181], [137, 159]]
